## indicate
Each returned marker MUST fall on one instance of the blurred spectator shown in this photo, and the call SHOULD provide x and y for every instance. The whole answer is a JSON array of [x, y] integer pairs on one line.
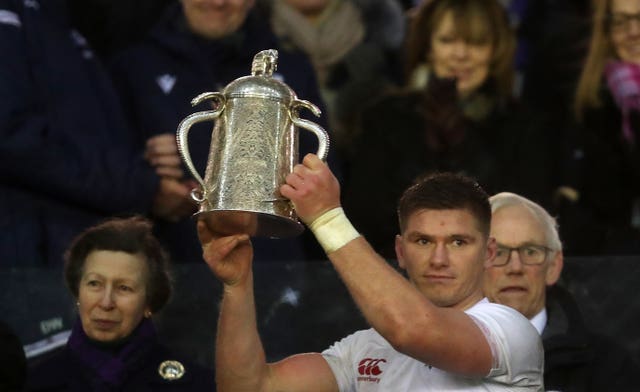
[[119, 275], [523, 275], [202, 46], [601, 208], [408, 4], [13, 364], [112, 25], [354, 47], [66, 157], [457, 115], [555, 36], [517, 11]]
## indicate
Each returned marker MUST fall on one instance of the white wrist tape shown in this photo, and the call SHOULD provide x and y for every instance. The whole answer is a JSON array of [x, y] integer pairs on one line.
[[333, 230]]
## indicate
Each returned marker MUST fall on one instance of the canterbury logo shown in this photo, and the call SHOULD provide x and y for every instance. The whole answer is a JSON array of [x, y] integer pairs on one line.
[[369, 366]]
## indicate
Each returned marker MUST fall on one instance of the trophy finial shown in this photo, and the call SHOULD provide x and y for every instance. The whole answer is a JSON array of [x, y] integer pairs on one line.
[[264, 62]]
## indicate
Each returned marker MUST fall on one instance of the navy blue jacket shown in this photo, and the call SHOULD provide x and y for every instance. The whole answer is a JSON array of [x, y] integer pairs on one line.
[[66, 160], [158, 79]]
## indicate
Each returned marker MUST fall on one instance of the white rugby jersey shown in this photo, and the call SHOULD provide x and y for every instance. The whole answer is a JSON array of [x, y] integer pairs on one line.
[[365, 361]]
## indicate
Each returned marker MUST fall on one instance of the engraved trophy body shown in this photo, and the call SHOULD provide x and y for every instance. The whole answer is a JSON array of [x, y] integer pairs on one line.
[[254, 146]]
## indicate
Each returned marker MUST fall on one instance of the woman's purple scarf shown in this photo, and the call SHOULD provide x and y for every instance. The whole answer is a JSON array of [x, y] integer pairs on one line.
[[111, 365], [623, 80]]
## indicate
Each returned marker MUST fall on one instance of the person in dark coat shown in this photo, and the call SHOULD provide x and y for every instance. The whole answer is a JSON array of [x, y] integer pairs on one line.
[[193, 49], [457, 114], [524, 276], [112, 25], [577, 359], [601, 208], [118, 273], [66, 156]]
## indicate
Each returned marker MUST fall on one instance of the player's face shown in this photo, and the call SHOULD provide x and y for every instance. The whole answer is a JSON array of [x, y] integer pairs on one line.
[[443, 253]]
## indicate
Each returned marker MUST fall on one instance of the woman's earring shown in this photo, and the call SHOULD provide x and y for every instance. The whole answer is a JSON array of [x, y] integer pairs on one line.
[[147, 313]]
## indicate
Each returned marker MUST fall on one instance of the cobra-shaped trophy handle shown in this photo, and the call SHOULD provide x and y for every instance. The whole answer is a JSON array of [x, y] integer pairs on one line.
[[183, 133], [321, 134]]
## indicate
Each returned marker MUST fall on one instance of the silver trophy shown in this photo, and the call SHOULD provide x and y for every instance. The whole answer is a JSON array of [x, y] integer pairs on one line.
[[254, 146]]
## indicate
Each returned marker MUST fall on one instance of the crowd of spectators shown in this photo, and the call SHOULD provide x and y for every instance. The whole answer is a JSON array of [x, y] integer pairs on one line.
[[539, 98], [518, 129]]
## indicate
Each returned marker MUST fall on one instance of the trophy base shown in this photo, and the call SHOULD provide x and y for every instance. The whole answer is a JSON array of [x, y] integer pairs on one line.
[[255, 224]]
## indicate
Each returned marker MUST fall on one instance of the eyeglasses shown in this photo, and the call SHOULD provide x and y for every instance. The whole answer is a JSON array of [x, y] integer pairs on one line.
[[619, 22], [528, 255]]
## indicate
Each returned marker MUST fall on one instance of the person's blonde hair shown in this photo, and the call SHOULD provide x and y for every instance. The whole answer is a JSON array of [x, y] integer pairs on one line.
[[601, 50], [477, 21]]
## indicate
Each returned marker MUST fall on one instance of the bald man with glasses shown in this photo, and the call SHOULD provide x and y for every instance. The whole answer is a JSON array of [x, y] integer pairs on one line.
[[523, 275]]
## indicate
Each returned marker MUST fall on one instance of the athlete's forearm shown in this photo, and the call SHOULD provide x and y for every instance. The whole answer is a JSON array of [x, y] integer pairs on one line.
[[388, 301], [240, 359]]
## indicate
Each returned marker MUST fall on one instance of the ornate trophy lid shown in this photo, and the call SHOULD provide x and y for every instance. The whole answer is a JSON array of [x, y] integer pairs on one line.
[[261, 83]]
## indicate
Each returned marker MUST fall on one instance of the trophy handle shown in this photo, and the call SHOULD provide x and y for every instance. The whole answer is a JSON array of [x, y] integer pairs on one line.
[[183, 133], [321, 134]]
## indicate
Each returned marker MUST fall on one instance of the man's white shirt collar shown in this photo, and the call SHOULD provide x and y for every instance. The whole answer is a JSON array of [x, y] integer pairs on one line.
[[539, 321]]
